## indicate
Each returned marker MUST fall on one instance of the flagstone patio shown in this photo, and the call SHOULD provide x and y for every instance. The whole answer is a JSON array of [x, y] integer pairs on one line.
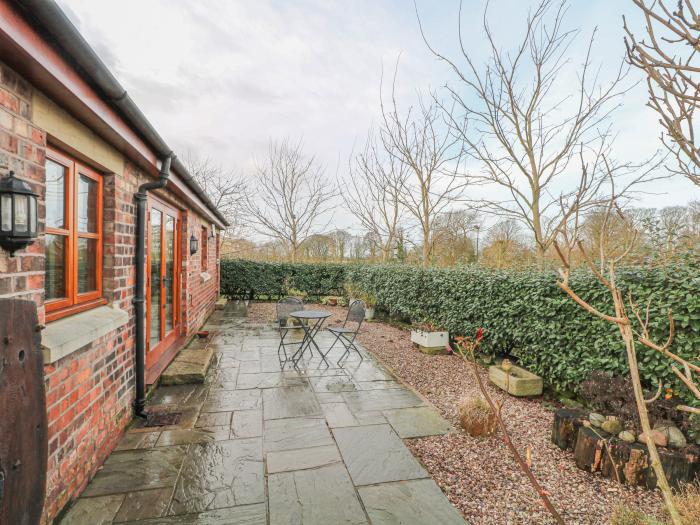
[[257, 444]]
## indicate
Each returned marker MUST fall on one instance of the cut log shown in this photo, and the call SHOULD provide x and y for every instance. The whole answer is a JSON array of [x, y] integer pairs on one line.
[[629, 463], [565, 427]]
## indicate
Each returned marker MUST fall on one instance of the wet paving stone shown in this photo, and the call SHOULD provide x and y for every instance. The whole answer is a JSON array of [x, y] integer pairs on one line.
[[218, 475], [333, 384], [295, 433], [288, 460], [417, 422], [250, 367], [172, 395], [183, 437], [375, 454], [338, 415], [378, 385], [93, 511], [144, 504], [226, 400], [241, 515], [134, 470], [222, 375], [368, 400], [247, 424], [296, 401], [214, 419], [409, 503], [321, 496], [138, 440]]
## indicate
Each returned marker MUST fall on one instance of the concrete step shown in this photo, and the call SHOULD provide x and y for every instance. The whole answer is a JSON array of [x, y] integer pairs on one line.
[[191, 364]]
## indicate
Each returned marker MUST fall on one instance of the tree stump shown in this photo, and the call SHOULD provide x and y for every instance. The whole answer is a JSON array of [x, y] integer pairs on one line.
[[567, 421], [629, 463]]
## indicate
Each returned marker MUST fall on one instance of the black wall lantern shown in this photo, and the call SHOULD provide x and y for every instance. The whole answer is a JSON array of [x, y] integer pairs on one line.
[[18, 214], [194, 244]]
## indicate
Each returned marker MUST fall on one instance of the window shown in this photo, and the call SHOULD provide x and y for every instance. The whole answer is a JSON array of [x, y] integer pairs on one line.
[[205, 249], [73, 237]]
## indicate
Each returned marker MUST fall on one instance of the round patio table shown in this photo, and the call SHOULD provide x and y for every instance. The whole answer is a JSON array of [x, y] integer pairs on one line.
[[314, 322]]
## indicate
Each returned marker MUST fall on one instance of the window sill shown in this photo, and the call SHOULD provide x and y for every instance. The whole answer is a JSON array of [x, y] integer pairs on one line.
[[65, 336], [204, 277]]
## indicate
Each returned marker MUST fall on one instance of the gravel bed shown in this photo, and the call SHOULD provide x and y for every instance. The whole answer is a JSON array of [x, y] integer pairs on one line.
[[479, 475]]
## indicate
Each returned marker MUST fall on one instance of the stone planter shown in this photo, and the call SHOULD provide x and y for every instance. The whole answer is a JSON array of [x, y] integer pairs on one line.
[[369, 313], [430, 342], [517, 381]]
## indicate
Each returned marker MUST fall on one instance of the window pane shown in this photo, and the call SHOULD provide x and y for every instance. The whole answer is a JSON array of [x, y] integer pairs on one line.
[[87, 204], [169, 271], [6, 211], [87, 265], [21, 213], [55, 267], [55, 194], [156, 219], [32, 214]]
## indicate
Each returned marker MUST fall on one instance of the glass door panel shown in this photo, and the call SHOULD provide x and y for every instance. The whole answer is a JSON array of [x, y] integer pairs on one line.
[[155, 258], [169, 277]]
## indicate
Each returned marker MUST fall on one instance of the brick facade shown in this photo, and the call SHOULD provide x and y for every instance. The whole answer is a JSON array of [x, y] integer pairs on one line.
[[90, 391]]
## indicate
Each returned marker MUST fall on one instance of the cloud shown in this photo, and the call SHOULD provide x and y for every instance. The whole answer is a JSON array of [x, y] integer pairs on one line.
[[221, 78]]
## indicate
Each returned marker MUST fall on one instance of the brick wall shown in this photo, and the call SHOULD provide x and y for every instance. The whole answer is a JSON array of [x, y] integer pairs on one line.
[[22, 150], [89, 392]]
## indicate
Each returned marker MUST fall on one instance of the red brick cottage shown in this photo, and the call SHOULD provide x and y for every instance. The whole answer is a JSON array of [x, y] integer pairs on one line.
[[70, 130]]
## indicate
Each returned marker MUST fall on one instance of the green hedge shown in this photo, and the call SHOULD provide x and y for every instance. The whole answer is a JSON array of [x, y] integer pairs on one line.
[[249, 279], [523, 313]]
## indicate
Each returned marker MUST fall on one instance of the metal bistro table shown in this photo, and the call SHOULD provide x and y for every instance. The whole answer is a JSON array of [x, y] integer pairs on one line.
[[314, 322]]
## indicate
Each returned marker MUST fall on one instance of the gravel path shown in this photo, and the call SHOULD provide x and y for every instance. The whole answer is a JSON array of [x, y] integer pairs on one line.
[[479, 475]]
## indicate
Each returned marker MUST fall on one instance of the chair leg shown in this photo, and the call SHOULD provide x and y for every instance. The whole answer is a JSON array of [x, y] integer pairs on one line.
[[349, 345]]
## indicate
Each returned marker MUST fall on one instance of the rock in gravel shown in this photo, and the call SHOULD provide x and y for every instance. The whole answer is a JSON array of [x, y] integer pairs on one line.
[[612, 425], [675, 437], [596, 420], [659, 438], [627, 436]]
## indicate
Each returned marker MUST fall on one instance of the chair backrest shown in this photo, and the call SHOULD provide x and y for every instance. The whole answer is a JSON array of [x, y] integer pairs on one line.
[[286, 306], [356, 313]]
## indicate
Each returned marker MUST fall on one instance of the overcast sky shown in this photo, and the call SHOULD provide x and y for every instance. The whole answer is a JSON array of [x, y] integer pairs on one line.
[[220, 78]]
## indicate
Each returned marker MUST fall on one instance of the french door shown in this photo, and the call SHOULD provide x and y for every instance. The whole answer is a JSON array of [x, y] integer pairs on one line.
[[163, 284]]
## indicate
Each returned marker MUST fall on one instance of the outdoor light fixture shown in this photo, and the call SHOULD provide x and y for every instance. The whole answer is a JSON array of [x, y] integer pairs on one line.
[[18, 214], [194, 244]]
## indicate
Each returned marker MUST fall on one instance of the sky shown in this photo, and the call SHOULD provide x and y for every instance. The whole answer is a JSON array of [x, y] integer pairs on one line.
[[221, 78]]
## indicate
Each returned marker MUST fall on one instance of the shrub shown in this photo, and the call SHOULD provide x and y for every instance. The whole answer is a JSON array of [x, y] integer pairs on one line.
[[626, 516], [524, 313], [476, 417]]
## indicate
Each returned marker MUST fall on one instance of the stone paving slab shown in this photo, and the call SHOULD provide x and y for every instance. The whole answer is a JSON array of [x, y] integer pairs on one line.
[[219, 475], [375, 454], [189, 366], [260, 443], [320, 496], [417, 422], [417, 502], [133, 470]]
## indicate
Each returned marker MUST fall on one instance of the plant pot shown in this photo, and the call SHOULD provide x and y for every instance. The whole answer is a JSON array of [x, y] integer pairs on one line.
[[430, 342], [332, 302], [369, 313], [517, 381]]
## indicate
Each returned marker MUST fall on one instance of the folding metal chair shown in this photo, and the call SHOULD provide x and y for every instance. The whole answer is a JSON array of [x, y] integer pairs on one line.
[[346, 334], [285, 307]]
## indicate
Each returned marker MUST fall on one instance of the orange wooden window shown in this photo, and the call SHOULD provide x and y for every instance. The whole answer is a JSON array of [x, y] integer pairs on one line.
[[73, 280]]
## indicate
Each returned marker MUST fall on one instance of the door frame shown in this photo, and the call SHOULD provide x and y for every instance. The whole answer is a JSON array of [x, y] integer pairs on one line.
[[156, 352]]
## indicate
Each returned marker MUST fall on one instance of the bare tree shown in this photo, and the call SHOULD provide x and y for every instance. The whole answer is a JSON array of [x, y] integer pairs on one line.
[[541, 149], [669, 59], [373, 193], [420, 139], [633, 324], [452, 236], [225, 189], [289, 197]]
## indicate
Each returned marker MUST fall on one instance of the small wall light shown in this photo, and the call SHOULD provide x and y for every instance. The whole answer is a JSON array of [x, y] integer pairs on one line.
[[18, 214], [194, 244]]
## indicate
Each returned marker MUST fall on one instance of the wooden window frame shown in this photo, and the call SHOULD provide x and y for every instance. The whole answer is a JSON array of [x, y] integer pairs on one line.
[[75, 302], [205, 249]]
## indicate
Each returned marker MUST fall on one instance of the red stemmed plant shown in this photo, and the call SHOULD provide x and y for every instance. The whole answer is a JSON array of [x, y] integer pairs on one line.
[[466, 347]]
